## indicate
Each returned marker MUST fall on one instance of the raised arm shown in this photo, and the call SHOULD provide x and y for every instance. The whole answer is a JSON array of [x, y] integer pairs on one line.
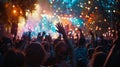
[[61, 30]]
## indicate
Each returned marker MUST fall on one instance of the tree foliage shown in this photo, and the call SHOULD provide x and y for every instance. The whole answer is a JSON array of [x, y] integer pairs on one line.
[[24, 4], [21, 6], [3, 15]]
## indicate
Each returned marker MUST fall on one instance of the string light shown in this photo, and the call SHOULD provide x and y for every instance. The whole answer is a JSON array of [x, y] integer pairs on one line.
[[109, 11], [96, 7], [114, 11], [89, 2], [13, 6]]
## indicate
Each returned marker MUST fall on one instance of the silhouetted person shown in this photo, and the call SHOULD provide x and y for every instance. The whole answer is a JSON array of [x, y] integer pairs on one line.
[[113, 58], [98, 59], [35, 54], [13, 59]]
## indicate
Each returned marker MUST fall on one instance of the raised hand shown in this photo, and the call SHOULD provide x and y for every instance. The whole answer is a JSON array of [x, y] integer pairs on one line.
[[49, 38], [61, 29], [43, 33], [69, 43], [81, 34]]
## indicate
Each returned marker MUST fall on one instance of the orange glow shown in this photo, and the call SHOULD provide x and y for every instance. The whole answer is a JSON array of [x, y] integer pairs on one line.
[[14, 11], [21, 12], [65, 21], [90, 20], [13, 6], [92, 15], [7, 5]]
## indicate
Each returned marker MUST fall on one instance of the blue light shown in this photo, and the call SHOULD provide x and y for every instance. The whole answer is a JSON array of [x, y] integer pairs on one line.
[[50, 0], [76, 21], [108, 4], [66, 5]]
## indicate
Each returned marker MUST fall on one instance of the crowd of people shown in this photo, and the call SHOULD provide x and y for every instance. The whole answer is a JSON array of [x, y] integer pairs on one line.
[[61, 52]]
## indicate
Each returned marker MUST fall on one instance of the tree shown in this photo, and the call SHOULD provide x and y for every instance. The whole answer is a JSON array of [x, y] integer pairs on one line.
[[3, 15], [11, 10]]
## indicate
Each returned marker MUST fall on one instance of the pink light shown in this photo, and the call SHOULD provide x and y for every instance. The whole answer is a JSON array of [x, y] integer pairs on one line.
[[29, 27], [70, 15]]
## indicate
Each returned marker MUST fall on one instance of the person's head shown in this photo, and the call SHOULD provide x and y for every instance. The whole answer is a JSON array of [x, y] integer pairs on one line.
[[80, 63], [98, 59], [35, 54], [90, 52], [99, 49], [61, 51], [20, 59], [18, 44], [46, 46], [10, 59], [88, 46], [56, 41], [82, 41], [13, 59]]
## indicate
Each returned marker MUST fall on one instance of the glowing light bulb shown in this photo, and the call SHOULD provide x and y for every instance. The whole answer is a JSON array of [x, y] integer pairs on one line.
[[80, 16], [14, 11], [109, 11], [114, 11], [44, 11], [70, 9], [89, 2], [59, 8], [81, 6], [105, 20], [76, 29], [82, 13], [70, 15], [88, 8], [96, 7], [13, 6]]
